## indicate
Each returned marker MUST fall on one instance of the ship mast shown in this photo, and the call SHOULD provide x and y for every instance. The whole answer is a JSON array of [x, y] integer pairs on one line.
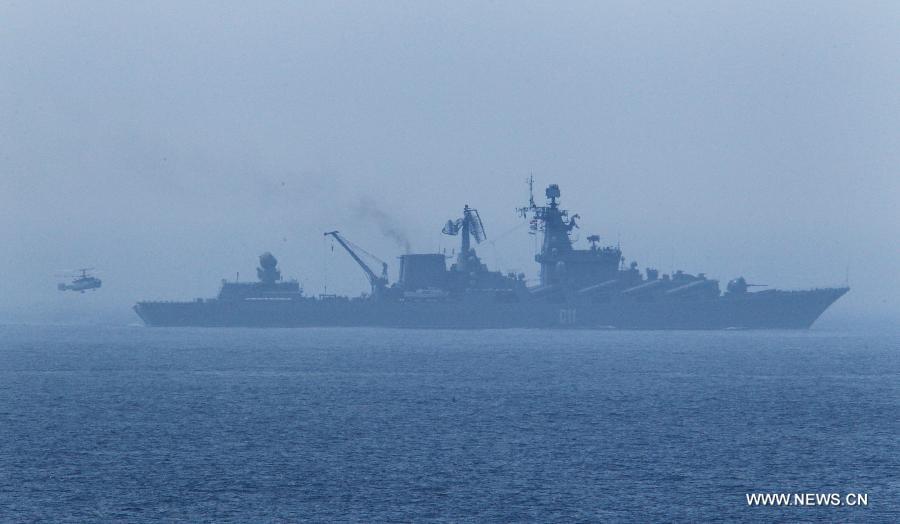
[[555, 225]]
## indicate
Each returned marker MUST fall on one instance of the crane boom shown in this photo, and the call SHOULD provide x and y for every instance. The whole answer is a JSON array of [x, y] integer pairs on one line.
[[378, 283]]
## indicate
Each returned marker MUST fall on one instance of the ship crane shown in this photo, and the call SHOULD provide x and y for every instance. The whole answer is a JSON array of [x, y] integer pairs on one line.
[[378, 283]]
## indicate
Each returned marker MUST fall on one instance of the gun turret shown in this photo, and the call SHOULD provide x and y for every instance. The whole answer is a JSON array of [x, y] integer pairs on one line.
[[739, 286]]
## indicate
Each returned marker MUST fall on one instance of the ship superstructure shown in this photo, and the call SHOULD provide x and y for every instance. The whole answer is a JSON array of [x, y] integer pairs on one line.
[[597, 274], [269, 287]]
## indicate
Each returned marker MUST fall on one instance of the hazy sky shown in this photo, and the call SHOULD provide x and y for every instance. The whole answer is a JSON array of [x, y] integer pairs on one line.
[[169, 144]]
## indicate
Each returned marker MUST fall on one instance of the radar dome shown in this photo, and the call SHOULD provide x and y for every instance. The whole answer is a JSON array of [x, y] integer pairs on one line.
[[267, 272], [552, 191], [267, 261]]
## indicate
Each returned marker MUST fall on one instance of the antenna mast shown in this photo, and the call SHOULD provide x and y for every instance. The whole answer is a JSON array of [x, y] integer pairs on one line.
[[523, 211], [531, 191]]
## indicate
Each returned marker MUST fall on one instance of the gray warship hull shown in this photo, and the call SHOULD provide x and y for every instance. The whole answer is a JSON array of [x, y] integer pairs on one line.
[[762, 310], [592, 288]]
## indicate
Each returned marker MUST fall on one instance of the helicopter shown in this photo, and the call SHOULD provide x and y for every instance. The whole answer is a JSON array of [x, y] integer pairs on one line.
[[81, 281]]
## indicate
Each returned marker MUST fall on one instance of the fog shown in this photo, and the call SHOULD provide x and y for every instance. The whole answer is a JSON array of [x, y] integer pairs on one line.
[[169, 144]]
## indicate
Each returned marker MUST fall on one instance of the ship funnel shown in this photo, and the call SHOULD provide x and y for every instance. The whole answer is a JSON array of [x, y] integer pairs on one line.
[[422, 271]]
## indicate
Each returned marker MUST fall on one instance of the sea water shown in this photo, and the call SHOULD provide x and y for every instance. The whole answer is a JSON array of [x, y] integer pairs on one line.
[[138, 424]]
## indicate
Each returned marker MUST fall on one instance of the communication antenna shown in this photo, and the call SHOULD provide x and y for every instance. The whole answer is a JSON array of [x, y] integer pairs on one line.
[[523, 211], [531, 190]]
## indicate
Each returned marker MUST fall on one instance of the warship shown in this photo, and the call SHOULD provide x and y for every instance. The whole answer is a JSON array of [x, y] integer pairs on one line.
[[589, 288]]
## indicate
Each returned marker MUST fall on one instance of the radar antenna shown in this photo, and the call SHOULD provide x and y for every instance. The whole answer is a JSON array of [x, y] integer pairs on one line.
[[470, 225], [476, 226]]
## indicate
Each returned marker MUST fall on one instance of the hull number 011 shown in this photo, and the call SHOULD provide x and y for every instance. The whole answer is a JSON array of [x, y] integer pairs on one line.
[[566, 317]]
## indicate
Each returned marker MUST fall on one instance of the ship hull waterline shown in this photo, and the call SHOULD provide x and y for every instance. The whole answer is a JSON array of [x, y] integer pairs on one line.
[[765, 310]]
